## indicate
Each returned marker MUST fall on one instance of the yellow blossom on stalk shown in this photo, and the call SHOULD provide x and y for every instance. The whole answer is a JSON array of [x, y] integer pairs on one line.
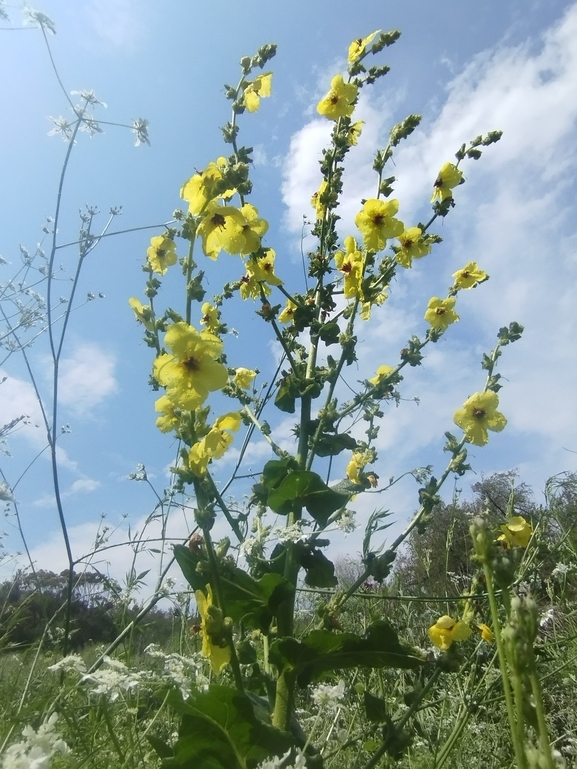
[[253, 229], [382, 373], [486, 633], [376, 222], [446, 630], [354, 133], [143, 312], [262, 267], [161, 254], [469, 276], [250, 288], [339, 100], [366, 307], [516, 532], [259, 89], [214, 444], [351, 264], [412, 247], [169, 419], [479, 414], [191, 371], [449, 177], [201, 188], [287, 315], [440, 313], [243, 377], [319, 207], [212, 628], [210, 317], [222, 229], [358, 46]]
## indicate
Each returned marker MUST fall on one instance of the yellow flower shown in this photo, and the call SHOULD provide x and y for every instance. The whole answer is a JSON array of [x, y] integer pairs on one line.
[[376, 222], [191, 371], [469, 276], [351, 264], [446, 630], [252, 230], [214, 444], [161, 254], [516, 532], [205, 186], [212, 627], [355, 466], [143, 312], [366, 307], [449, 177], [262, 267], [440, 313], [222, 229], [319, 207], [354, 133], [486, 633], [339, 100], [287, 315], [412, 247], [382, 373], [257, 90], [169, 418], [357, 47], [243, 377], [479, 414], [210, 317]]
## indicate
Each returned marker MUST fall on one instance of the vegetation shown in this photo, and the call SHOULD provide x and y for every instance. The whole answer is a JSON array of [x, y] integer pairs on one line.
[[452, 645]]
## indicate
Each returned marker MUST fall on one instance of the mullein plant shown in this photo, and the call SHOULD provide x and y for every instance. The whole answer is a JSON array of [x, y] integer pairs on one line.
[[246, 717]]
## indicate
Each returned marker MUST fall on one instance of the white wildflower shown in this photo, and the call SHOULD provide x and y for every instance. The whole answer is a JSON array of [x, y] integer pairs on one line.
[[328, 697], [278, 762], [73, 663], [89, 97], [560, 571], [140, 128], [292, 533], [62, 127], [36, 750], [346, 522], [249, 547], [547, 618], [114, 678], [38, 19]]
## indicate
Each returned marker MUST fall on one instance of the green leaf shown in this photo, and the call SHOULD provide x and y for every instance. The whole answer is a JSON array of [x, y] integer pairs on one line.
[[375, 708], [306, 489], [320, 572], [255, 602], [323, 650], [286, 396], [188, 561], [162, 749], [329, 333], [220, 730], [330, 444]]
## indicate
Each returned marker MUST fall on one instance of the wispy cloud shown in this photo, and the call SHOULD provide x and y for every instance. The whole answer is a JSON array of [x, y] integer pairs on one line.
[[118, 23], [87, 378]]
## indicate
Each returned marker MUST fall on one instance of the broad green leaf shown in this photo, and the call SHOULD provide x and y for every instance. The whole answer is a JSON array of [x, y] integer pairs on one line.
[[220, 730], [375, 708], [306, 489], [320, 572], [329, 333], [323, 650], [330, 444], [188, 561]]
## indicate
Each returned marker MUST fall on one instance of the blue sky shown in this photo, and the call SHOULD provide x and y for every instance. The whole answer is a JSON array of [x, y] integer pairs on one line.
[[468, 69]]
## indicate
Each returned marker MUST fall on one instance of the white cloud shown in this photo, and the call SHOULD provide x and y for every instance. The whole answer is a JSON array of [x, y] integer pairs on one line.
[[86, 378], [513, 216]]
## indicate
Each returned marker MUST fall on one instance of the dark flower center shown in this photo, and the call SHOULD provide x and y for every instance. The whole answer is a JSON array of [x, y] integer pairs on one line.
[[191, 364], [218, 220], [440, 311], [479, 413]]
